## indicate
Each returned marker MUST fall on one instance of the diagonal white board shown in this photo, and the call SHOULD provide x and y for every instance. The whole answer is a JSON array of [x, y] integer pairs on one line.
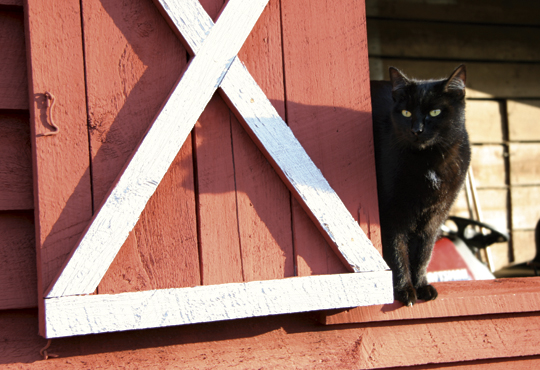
[[280, 146], [215, 64]]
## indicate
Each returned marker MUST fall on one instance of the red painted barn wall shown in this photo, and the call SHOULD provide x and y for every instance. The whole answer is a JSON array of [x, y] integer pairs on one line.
[[111, 66]]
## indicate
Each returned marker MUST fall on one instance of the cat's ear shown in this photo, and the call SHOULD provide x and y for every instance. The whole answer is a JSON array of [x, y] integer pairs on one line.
[[456, 81], [398, 79]]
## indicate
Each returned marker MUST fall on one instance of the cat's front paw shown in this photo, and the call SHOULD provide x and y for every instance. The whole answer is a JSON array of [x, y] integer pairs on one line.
[[427, 292], [406, 295]]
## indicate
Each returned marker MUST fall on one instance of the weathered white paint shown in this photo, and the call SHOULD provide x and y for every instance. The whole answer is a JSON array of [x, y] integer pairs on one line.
[[215, 60], [77, 315], [139, 180], [280, 146]]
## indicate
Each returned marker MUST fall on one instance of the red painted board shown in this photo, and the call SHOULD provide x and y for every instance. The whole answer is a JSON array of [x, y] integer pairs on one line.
[[328, 109], [264, 202], [282, 342], [62, 189], [18, 277], [456, 298], [16, 187], [244, 208], [133, 60], [13, 80]]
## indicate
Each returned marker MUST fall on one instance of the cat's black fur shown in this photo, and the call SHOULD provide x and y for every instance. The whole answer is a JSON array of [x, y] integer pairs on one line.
[[421, 165]]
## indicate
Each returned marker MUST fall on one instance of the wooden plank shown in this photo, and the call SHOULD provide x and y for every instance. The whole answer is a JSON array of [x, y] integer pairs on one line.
[[263, 200], [328, 109], [456, 299], [475, 11], [133, 60], [16, 187], [488, 164], [161, 144], [77, 315], [218, 218], [220, 245], [523, 117], [524, 163], [18, 276], [13, 78], [484, 80], [61, 162], [484, 121], [285, 341], [441, 40], [525, 207]]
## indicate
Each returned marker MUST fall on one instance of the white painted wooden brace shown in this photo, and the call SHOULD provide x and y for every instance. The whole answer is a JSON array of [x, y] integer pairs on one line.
[[119, 214], [280, 146], [77, 315], [215, 64]]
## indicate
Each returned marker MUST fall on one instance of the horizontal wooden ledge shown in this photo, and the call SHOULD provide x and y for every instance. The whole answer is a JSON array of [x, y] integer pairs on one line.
[[467, 298], [78, 315]]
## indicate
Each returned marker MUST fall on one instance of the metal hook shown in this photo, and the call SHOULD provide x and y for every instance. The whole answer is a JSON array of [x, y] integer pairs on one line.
[[43, 351], [50, 104]]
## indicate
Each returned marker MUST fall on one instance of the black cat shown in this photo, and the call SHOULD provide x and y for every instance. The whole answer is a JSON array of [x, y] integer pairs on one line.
[[422, 155]]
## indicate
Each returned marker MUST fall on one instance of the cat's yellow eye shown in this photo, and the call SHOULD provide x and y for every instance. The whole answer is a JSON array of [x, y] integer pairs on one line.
[[435, 112], [406, 113]]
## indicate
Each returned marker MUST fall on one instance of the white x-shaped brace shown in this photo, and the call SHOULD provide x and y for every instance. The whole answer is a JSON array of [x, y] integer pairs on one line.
[[215, 64]]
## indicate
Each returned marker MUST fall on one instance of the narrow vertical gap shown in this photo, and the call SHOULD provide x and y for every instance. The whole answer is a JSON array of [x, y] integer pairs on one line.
[[291, 198], [236, 198], [88, 123], [197, 201], [503, 104]]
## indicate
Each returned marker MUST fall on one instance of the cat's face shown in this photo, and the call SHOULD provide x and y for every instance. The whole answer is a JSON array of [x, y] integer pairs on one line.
[[426, 113]]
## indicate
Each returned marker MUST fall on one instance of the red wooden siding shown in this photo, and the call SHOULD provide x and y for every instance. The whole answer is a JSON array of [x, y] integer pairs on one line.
[[221, 213], [63, 198], [17, 248]]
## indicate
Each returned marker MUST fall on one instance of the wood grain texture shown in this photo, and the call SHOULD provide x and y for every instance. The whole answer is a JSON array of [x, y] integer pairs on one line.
[[475, 11], [61, 163], [456, 299], [147, 166], [77, 315], [285, 341], [133, 60], [18, 276], [484, 80], [16, 185], [444, 40], [263, 199], [328, 109], [13, 77], [523, 118]]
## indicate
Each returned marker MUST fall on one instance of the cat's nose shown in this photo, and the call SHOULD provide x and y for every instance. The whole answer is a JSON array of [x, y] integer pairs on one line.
[[417, 128]]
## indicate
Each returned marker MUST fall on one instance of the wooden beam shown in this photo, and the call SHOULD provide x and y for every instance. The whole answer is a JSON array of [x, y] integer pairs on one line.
[[78, 315], [470, 298]]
